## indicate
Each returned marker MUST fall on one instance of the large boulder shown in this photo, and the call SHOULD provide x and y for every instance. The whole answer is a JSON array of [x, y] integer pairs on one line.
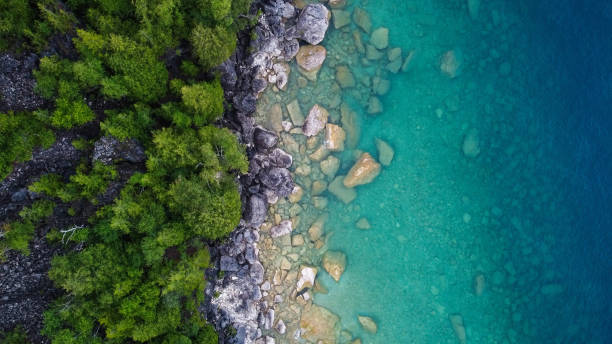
[[277, 179], [312, 23], [315, 121], [310, 58], [334, 262], [255, 211], [264, 139], [319, 325], [363, 172]]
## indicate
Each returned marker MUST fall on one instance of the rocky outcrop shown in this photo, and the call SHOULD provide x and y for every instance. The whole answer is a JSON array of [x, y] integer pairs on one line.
[[17, 83]]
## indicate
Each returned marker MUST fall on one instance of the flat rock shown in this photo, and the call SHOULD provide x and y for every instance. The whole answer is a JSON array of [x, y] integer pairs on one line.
[[471, 144], [385, 152], [368, 323], [362, 19], [380, 38], [312, 23], [318, 325], [282, 229], [363, 172], [330, 166], [315, 121], [334, 137], [334, 262], [337, 188], [344, 77], [295, 113], [341, 18]]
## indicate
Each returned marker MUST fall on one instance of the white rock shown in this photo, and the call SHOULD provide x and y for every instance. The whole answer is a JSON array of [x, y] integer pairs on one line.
[[307, 277], [315, 121]]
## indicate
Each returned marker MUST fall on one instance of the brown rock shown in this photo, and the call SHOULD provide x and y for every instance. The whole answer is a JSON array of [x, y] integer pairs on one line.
[[363, 172], [334, 137], [319, 325], [334, 262], [310, 58]]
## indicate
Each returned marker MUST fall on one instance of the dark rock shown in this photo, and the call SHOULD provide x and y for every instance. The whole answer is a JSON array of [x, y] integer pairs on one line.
[[17, 83], [264, 139], [228, 263], [280, 158], [257, 272], [256, 210], [19, 196], [312, 23], [277, 179], [108, 150]]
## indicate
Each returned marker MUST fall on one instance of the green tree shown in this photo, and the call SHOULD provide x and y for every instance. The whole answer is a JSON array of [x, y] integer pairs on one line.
[[212, 45], [204, 100]]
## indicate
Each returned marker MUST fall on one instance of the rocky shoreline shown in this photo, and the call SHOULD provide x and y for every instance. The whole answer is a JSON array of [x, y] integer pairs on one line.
[[234, 296]]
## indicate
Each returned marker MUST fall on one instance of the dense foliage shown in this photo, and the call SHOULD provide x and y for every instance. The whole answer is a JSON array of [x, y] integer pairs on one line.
[[139, 68]]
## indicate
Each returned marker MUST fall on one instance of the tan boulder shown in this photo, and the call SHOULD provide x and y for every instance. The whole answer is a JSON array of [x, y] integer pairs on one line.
[[334, 262], [374, 106], [318, 325], [274, 118], [334, 137], [310, 58], [363, 172], [368, 323], [315, 121]]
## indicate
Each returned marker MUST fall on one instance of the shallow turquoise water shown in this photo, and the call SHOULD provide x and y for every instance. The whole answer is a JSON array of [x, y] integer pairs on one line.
[[440, 218]]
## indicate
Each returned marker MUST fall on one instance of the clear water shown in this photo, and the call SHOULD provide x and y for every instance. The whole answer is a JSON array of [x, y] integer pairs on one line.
[[531, 212]]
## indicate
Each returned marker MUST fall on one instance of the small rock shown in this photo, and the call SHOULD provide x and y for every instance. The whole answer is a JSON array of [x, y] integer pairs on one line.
[[471, 144], [394, 54], [363, 223], [316, 120], [408, 61], [256, 210], [385, 152], [316, 229], [368, 323], [337, 188], [363, 172], [451, 63], [457, 323], [334, 262], [374, 106], [274, 118], [334, 137], [381, 86], [297, 240], [282, 229], [318, 187], [358, 42], [479, 284], [380, 38], [321, 153], [362, 19]]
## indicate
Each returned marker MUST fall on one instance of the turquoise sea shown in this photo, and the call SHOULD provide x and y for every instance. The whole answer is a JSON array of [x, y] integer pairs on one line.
[[528, 218]]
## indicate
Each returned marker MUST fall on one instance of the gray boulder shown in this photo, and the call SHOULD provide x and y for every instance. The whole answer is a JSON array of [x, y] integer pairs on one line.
[[256, 209], [108, 149], [312, 23], [277, 179], [264, 139]]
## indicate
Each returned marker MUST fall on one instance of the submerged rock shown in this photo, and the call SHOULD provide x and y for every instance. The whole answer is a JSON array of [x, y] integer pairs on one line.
[[318, 325], [394, 54], [372, 53], [363, 223], [282, 229], [380, 38], [295, 113], [374, 106], [350, 124], [471, 144], [330, 166], [479, 284], [385, 152], [456, 321], [344, 77], [334, 137], [337, 3], [334, 262], [362, 19], [363, 172], [337, 188], [368, 323], [408, 61], [451, 63], [341, 18], [312, 23], [316, 120]]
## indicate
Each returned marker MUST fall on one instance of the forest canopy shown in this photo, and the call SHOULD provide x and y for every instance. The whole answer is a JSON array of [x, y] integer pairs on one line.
[[138, 71]]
